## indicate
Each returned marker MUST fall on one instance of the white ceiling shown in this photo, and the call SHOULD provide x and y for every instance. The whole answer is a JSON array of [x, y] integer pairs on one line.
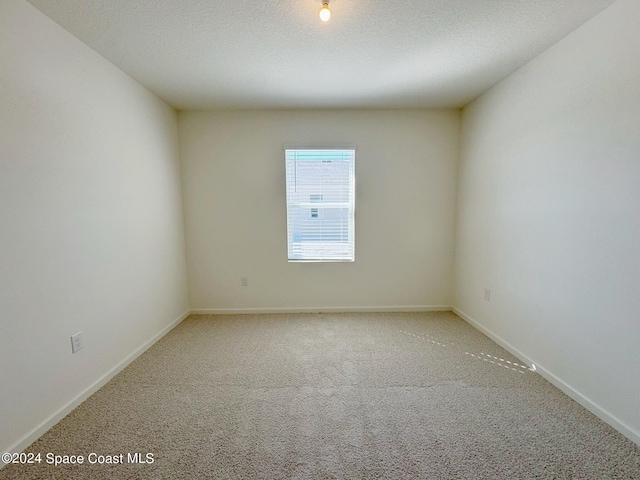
[[202, 54]]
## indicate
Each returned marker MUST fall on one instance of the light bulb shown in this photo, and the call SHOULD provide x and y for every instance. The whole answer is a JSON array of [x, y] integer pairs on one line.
[[325, 13]]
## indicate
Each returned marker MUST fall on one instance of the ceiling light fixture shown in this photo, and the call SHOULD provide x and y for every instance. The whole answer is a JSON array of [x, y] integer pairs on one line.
[[325, 13]]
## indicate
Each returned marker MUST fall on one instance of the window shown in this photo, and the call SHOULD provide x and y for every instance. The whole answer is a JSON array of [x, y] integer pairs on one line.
[[320, 204]]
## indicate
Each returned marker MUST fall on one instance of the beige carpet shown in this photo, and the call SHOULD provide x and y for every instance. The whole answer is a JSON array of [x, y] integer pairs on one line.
[[333, 396]]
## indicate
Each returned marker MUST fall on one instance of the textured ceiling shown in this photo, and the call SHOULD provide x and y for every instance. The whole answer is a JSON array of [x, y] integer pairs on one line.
[[201, 54]]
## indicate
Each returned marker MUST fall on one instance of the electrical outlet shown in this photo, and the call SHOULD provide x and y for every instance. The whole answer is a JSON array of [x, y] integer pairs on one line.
[[487, 294], [244, 281], [76, 342]]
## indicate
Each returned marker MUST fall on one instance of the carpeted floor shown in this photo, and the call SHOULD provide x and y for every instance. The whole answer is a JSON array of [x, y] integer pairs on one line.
[[332, 396]]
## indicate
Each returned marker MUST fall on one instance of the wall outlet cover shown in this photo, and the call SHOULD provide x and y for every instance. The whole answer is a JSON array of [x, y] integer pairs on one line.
[[76, 342]]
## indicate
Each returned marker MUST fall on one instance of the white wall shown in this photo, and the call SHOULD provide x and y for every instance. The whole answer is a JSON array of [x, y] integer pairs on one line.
[[91, 227], [549, 214], [234, 191]]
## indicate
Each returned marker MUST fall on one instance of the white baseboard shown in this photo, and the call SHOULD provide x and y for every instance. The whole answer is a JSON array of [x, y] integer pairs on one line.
[[566, 388], [43, 427], [499, 340], [383, 309]]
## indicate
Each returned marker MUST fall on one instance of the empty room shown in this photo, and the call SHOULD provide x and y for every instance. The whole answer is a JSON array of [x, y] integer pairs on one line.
[[299, 239]]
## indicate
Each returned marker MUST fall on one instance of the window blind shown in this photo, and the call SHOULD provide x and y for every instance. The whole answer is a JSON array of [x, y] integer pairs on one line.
[[320, 204]]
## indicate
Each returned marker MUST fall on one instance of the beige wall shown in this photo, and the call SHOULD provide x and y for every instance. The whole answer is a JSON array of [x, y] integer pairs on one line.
[[548, 214], [234, 191], [91, 227]]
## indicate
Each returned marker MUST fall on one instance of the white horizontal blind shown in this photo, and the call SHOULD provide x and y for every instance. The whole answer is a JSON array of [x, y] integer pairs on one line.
[[320, 204]]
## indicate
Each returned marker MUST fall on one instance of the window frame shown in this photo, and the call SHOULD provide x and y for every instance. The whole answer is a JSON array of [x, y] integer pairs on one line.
[[343, 251]]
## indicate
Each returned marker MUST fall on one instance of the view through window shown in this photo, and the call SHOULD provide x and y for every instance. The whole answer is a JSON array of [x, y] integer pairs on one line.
[[320, 204]]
